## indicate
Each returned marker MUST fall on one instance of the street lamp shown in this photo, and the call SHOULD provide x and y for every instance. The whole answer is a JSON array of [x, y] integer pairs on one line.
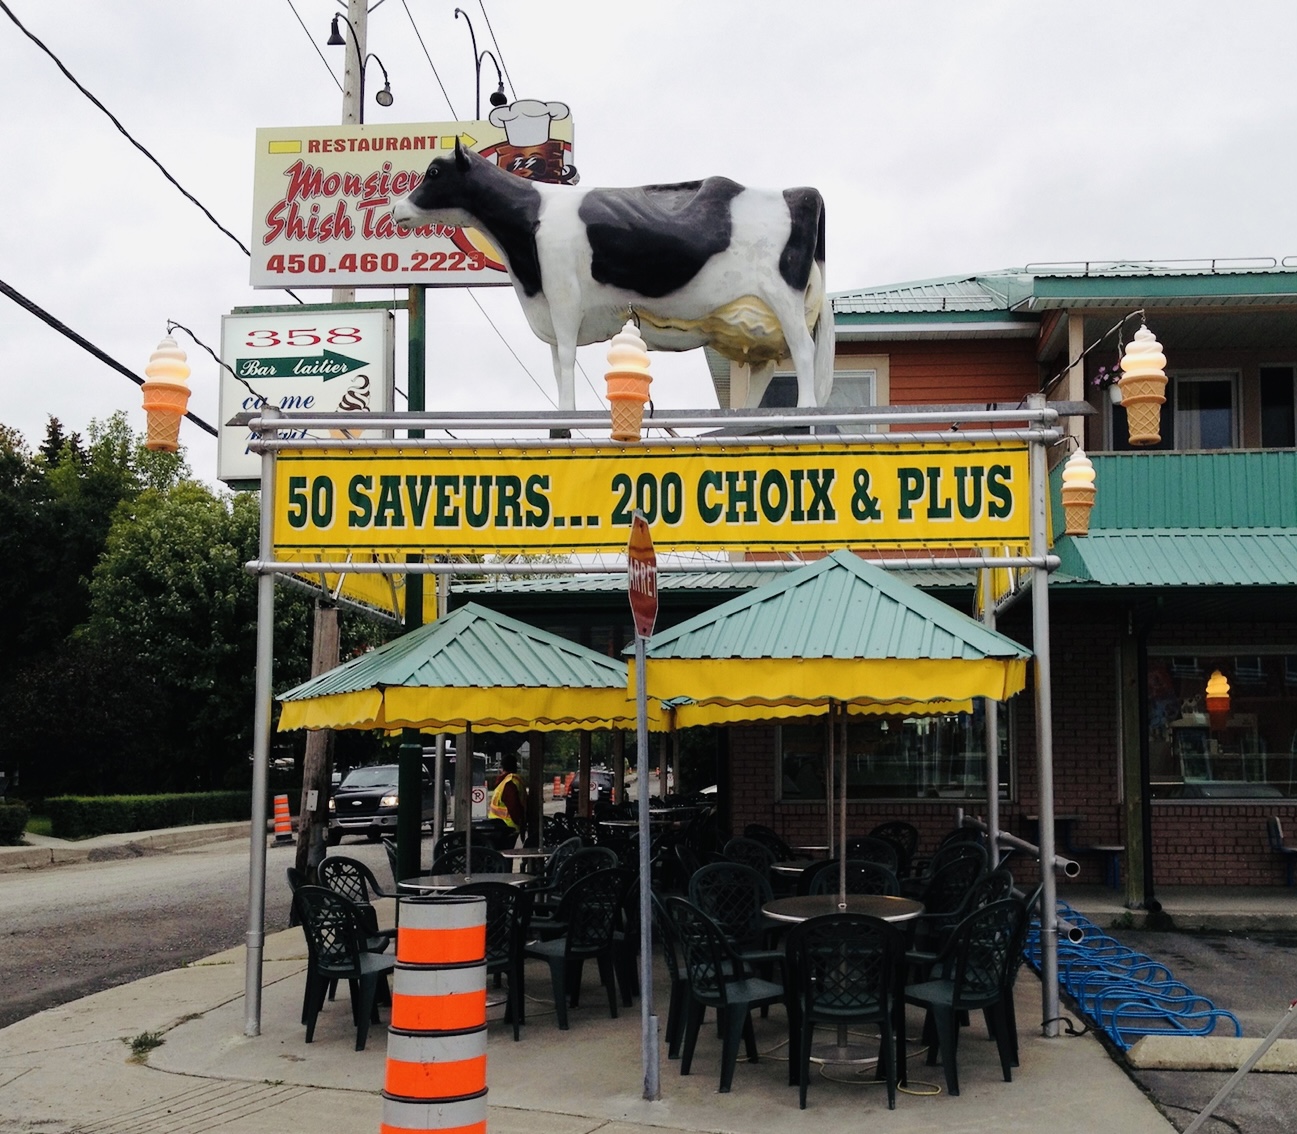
[[384, 97], [498, 97]]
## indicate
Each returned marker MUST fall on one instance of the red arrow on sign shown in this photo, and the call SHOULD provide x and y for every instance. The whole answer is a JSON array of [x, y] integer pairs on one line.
[[642, 576]]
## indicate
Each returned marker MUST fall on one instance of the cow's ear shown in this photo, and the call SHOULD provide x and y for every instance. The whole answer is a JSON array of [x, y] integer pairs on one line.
[[461, 155]]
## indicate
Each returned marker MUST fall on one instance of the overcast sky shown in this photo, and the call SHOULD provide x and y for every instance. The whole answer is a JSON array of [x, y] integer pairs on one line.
[[946, 138]]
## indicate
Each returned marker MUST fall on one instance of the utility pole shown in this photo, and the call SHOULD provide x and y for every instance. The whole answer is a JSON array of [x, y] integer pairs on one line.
[[317, 766]]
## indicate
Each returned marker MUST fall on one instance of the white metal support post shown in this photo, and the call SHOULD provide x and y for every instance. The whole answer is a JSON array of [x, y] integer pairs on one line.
[[650, 1054], [256, 935], [991, 711], [1044, 733]]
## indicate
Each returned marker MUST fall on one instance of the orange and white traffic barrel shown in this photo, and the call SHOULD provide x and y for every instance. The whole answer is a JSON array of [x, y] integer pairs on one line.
[[558, 787], [283, 820], [436, 1043]]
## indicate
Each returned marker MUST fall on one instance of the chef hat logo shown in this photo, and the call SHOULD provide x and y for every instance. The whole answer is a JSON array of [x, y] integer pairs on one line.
[[526, 122]]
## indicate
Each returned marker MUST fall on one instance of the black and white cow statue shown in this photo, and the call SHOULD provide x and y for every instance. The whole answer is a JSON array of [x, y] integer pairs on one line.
[[701, 262]]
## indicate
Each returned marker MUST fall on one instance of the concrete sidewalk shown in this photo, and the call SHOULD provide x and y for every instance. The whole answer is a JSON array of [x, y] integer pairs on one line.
[[70, 1070], [42, 850]]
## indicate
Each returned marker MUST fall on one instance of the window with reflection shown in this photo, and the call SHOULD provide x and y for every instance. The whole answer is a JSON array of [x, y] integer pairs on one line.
[[930, 757], [1222, 726], [1200, 412]]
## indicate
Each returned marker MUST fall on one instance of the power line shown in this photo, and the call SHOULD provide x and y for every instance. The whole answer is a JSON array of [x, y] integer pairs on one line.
[[499, 54], [318, 52], [84, 343], [419, 37], [509, 348], [126, 133]]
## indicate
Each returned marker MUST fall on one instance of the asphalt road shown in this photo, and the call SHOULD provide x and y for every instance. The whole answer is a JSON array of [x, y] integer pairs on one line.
[[1253, 976], [68, 931]]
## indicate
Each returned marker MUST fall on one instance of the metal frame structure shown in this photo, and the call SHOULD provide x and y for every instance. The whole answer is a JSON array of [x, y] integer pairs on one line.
[[1034, 422]]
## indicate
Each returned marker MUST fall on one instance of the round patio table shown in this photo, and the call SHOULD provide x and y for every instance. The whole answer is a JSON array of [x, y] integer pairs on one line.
[[434, 883], [526, 858], [800, 909], [805, 907], [793, 867]]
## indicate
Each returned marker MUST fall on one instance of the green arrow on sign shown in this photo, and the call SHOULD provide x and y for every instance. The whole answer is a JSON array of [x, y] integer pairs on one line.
[[328, 365]]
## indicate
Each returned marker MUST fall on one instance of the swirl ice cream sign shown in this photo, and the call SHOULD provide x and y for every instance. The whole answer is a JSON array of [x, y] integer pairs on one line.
[[322, 197]]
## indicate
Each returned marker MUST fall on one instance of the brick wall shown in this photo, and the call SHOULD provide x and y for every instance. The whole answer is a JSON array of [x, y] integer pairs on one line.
[[1195, 842]]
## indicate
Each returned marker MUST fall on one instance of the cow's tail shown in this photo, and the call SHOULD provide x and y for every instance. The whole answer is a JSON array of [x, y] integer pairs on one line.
[[823, 334]]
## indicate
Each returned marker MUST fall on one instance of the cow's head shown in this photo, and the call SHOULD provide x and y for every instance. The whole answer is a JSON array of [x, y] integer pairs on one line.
[[446, 194]]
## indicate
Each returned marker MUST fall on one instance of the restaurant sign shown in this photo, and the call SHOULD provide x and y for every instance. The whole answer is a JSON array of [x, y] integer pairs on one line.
[[322, 198], [477, 499]]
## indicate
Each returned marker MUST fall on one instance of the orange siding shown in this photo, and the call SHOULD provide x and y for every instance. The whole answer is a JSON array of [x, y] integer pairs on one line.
[[957, 371]]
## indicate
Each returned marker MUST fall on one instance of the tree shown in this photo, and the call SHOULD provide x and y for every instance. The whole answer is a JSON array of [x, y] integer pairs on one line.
[[171, 592]]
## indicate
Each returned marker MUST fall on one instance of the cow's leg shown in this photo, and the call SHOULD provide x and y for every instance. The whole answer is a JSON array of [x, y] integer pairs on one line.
[[791, 313], [825, 338], [565, 373]]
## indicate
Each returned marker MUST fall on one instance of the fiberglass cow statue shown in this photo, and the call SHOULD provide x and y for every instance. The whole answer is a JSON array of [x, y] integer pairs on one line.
[[700, 263]]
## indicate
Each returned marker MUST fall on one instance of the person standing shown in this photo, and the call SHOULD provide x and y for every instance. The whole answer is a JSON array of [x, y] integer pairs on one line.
[[509, 799]]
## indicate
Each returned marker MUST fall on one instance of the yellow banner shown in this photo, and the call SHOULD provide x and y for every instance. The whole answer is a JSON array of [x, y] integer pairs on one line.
[[384, 592], [749, 498]]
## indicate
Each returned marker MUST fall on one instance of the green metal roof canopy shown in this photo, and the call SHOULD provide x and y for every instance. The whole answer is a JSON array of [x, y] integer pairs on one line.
[[472, 668], [838, 630]]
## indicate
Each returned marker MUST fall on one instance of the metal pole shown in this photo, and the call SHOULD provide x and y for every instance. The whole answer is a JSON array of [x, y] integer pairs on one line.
[[841, 713], [831, 775], [1044, 738], [648, 1021], [409, 808], [992, 711], [1244, 1067], [256, 934]]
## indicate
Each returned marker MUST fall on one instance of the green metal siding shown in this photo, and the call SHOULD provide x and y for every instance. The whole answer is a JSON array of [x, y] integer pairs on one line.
[[1255, 489]]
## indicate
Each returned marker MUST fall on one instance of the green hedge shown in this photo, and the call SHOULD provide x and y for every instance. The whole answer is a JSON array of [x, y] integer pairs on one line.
[[80, 816], [13, 822]]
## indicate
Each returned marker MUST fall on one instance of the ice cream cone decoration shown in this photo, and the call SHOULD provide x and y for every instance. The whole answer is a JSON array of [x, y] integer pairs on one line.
[[1078, 494], [1143, 387], [1218, 698], [166, 396], [628, 381]]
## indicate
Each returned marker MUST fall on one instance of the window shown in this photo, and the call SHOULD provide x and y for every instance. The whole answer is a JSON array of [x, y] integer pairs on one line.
[[1245, 750], [852, 389], [1278, 419], [930, 757], [1201, 412]]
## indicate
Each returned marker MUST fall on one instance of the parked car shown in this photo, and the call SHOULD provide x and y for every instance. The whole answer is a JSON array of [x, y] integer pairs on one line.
[[603, 782], [365, 803]]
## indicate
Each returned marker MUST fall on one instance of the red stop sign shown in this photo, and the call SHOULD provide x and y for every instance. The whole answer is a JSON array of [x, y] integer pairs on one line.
[[642, 576]]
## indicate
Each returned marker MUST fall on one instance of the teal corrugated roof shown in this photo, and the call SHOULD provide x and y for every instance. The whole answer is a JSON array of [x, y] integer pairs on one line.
[[990, 291], [1258, 557], [471, 648], [836, 607], [740, 580], [1254, 489], [1041, 287]]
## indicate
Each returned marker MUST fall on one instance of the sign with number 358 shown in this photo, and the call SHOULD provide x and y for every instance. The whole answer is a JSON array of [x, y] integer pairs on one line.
[[320, 359]]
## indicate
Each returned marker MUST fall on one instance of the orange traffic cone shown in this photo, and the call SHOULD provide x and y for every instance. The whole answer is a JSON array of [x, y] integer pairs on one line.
[[283, 820]]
